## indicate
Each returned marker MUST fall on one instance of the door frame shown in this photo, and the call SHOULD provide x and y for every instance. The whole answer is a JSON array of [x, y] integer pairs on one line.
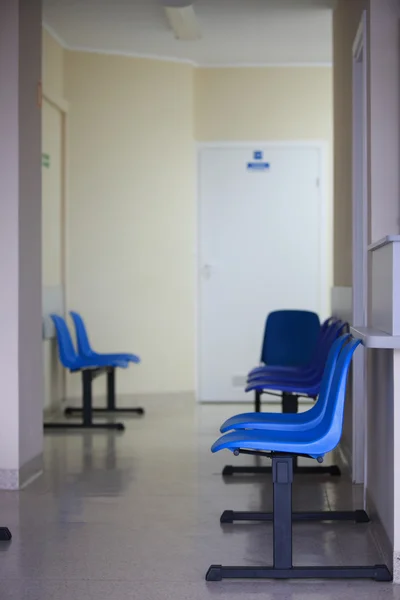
[[326, 219], [52, 98], [360, 241]]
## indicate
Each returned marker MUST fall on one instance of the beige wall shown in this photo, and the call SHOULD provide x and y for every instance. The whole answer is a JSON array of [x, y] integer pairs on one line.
[[131, 215], [264, 104]]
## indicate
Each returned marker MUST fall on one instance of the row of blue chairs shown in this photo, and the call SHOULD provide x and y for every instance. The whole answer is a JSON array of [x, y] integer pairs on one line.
[[90, 364], [292, 382], [283, 438]]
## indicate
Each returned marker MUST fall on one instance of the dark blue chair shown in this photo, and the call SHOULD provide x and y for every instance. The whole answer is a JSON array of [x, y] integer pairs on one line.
[[321, 343], [289, 340], [310, 376], [86, 351], [290, 337], [283, 446], [90, 369]]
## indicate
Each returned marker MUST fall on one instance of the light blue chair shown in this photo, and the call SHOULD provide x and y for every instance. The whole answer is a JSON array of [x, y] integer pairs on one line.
[[282, 446]]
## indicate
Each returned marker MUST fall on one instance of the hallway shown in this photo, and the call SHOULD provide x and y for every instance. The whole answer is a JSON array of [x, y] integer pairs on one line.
[[136, 517]]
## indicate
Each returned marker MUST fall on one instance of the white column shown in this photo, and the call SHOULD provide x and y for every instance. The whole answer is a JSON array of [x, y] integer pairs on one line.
[[21, 373]]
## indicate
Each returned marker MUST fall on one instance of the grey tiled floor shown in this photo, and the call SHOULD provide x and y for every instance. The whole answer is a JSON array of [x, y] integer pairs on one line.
[[136, 516]]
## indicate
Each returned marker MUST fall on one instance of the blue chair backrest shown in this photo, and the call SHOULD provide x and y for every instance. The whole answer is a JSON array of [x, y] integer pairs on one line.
[[322, 336], [66, 349], [82, 338], [330, 428], [329, 370], [290, 337], [334, 331]]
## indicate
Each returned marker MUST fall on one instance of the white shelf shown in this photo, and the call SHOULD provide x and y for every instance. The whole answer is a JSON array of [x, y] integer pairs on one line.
[[389, 239], [374, 338]]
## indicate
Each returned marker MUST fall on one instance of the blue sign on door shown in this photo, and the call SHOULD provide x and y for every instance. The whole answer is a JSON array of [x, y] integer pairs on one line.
[[257, 155], [258, 166]]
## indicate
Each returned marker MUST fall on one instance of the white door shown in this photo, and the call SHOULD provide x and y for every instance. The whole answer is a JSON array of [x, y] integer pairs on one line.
[[260, 240]]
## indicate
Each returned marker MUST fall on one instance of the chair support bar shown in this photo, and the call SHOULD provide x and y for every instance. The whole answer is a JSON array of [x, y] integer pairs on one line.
[[282, 568]]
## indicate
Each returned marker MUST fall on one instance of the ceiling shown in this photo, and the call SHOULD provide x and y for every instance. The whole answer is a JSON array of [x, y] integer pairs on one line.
[[234, 32]]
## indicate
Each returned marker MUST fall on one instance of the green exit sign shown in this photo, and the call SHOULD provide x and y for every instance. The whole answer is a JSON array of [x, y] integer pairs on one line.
[[46, 161]]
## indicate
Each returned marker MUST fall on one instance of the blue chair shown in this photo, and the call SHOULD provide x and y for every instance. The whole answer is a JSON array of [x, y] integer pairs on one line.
[[282, 446], [292, 421], [289, 340], [310, 377], [320, 348], [292, 389], [297, 369], [85, 350], [90, 369]]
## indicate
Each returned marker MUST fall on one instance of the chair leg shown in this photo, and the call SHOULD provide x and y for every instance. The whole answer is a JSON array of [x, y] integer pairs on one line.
[[282, 568], [282, 477], [111, 404], [257, 401], [5, 534], [87, 410], [87, 380], [357, 516]]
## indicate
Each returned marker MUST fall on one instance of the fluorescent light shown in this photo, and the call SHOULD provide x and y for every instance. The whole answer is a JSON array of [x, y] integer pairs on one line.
[[183, 22]]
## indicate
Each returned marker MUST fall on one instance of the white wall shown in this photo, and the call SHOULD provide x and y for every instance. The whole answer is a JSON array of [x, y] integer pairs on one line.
[[20, 242], [131, 215], [382, 484]]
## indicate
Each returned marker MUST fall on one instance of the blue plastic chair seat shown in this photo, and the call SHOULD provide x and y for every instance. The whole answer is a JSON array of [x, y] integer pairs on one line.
[[299, 388], [293, 442], [314, 442]]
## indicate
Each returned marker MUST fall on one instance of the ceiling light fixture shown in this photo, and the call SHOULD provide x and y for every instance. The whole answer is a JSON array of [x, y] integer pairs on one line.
[[183, 21]]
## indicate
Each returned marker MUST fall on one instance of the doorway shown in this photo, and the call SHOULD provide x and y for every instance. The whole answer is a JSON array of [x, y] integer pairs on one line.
[[262, 247]]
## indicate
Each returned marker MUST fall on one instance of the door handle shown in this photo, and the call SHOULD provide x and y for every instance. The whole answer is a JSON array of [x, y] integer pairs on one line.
[[206, 271]]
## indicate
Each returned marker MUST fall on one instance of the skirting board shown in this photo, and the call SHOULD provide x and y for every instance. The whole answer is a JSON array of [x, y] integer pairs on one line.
[[16, 479], [342, 303], [390, 558]]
